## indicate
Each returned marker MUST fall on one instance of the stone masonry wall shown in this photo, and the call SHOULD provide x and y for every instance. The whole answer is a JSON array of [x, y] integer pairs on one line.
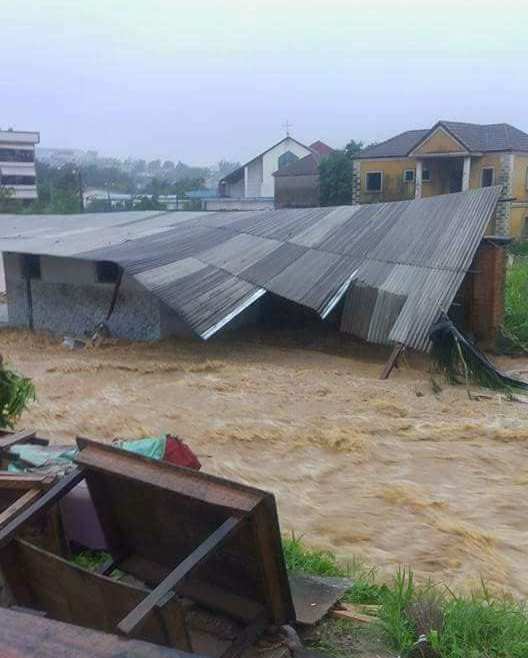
[[504, 178], [356, 182], [73, 305]]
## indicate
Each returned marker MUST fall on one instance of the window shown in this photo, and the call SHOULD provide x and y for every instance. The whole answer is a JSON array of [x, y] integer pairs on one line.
[[408, 176], [16, 155], [524, 234], [426, 175], [31, 266], [374, 181], [107, 272], [487, 176], [286, 158], [18, 180], [526, 178]]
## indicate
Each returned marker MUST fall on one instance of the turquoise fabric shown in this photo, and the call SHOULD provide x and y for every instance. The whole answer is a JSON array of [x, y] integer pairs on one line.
[[151, 446], [30, 456]]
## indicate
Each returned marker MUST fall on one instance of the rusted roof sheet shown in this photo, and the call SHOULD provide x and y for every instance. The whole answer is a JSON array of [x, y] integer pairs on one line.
[[399, 264]]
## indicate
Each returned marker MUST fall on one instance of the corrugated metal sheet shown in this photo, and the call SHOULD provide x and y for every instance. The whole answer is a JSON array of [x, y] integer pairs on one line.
[[399, 264]]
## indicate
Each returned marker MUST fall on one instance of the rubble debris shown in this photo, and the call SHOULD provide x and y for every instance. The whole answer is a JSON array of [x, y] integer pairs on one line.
[[314, 596], [187, 536], [30, 636]]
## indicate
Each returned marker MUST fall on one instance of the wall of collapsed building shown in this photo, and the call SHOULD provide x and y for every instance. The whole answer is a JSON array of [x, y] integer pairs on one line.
[[65, 297], [481, 296]]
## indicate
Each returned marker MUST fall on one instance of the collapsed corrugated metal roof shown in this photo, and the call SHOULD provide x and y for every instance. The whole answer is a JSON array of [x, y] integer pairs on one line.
[[399, 264]]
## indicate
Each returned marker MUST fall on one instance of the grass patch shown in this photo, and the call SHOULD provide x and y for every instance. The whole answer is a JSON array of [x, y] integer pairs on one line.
[[300, 558], [90, 560], [451, 626], [516, 302]]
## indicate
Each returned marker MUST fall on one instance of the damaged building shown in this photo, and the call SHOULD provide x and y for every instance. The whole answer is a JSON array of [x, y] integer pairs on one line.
[[381, 272]]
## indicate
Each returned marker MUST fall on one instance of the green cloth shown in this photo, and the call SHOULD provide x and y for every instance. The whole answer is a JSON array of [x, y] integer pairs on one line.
[[151, 446], [31, 456]]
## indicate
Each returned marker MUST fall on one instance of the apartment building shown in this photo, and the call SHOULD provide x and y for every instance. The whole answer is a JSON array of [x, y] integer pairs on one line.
[[17, 163]]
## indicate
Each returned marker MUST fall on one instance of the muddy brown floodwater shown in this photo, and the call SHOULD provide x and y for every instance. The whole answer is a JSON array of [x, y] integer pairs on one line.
[[389, 472]]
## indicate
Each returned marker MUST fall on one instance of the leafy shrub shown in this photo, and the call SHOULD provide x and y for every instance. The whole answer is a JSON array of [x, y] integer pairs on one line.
[[16, 392]]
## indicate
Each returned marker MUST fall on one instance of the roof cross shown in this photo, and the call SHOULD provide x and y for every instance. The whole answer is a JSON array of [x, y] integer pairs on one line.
[[287, 125]]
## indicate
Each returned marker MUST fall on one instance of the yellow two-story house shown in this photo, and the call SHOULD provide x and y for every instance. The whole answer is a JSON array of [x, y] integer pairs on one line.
[[450, 157]]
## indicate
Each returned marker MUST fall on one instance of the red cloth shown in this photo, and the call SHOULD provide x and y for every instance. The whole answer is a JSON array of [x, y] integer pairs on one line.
[[177, 452]]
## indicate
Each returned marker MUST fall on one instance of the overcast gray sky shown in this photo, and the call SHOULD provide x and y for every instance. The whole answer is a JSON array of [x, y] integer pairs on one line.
[[210, 79]]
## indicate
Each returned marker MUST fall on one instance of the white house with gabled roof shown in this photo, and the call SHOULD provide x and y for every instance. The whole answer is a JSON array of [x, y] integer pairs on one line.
[[253, 182]]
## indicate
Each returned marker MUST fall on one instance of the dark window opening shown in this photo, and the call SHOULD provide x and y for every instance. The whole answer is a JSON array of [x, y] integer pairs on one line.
[[17, 155], [374, 181], [426, 175], [408, 175], [18, 180], [286, 158], [524, 234], [487, 177], [31, 265], [107, 272]]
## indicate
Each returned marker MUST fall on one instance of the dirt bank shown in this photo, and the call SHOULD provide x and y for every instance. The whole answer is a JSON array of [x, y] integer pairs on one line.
[[388, 471]]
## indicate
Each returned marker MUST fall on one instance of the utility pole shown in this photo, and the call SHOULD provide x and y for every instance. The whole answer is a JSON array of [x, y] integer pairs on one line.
[[81, 191]]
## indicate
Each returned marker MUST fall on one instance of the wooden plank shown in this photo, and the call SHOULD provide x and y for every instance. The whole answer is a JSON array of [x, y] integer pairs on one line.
[[392, 361], [75, 595], [201, 486], [18, 437], [19, 506], [48, 637], [275, 585], [355, 613], [220, 600], [135, 618], [202, 592], [47, 500], [24, 480]]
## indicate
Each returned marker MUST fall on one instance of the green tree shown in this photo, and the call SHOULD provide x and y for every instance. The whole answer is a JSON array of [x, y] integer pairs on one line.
[[335, 176], [6, 199], [353, 148]]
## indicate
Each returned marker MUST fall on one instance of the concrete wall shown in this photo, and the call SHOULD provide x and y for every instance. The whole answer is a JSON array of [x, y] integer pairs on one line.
[[237, 204], [68, 300], [393, 188], [297, 191], [439, 142], [254, 178], [510, 171], [519, 208]]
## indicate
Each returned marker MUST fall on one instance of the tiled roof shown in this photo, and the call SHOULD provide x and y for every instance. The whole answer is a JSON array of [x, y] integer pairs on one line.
[[492, 137], [321, 148], [395, 147], [475, 137]]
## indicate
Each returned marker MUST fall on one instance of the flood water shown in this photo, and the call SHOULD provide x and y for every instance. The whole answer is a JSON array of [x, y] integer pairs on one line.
[[387, 471]]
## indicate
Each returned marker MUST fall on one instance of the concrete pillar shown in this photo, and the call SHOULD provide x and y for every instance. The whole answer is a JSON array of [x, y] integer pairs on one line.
[[246, 173], [465, 173], [418, 182], [356, 182]]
